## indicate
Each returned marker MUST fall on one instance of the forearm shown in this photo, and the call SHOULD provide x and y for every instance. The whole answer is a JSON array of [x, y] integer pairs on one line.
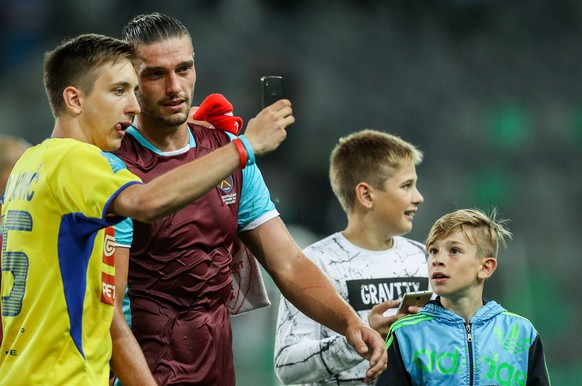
[[127, 361], [178, 187], [121, 271], [307, 287], [298, 278]]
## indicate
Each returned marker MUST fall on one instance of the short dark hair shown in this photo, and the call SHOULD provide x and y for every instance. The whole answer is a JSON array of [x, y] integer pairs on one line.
[[153, 28], [75, 62]]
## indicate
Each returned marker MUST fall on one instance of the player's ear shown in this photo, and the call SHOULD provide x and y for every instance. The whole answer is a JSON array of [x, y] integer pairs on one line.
[[488, 267], [72, 98], [364, 195]]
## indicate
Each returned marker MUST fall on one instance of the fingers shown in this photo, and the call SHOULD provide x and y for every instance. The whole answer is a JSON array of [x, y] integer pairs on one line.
[[279, 104], [413, 309], [208, 125], [374, 371], [385, 306], [282, 113], [280, 109], [370, 345], [378, 361], [267, 130], [361, 348], [378, 318]]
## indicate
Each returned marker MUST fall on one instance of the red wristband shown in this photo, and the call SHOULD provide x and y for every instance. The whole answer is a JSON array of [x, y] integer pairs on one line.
[[242, 152]]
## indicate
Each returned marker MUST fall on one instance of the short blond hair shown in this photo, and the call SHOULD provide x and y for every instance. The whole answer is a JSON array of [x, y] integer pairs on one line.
[[367, 156], [485, 231]]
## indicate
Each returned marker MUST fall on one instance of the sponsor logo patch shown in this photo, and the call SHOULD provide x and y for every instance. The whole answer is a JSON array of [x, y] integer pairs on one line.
[[108, 288], [226, 186], [109, 247]]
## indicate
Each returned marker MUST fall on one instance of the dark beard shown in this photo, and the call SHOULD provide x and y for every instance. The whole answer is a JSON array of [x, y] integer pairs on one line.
[[172, 121]]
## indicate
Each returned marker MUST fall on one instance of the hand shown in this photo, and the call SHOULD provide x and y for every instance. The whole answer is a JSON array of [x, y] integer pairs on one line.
[[382, 323], [191, 119], [370, 345], [266, 131]]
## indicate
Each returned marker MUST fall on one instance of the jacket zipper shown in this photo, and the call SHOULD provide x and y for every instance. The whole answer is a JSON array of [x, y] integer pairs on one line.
[[470, 343]]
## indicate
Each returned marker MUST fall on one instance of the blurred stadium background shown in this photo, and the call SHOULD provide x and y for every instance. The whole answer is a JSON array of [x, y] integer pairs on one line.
[[489, 89]]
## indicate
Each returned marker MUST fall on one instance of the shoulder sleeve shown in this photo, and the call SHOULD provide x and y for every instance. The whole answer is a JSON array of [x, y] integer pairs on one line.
[[395, 373], [85, 180], [124, 233], [302, 355], [537, 371], [123, 229], [255, 198]]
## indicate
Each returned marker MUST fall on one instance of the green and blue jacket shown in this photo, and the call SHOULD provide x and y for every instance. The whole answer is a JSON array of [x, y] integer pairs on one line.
[[438, 347]]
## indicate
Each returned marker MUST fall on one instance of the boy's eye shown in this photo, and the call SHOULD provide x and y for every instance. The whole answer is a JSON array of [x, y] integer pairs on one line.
[[455, 251]]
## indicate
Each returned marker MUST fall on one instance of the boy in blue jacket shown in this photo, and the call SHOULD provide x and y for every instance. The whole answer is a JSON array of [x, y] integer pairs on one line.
[[459, 338]]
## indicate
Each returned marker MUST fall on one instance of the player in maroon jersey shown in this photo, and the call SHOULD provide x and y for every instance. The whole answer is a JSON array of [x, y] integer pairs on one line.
[[179, 279]]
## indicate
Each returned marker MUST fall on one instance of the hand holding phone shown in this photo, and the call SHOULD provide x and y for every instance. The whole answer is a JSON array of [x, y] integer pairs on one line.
[[272, 89], [417, 299]]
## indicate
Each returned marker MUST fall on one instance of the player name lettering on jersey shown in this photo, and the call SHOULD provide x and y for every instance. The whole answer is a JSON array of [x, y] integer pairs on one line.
[[366, 293], [21, 186]]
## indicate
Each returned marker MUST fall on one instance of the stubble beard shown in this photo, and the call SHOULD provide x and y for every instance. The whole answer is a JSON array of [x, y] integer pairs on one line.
[[152, 110]]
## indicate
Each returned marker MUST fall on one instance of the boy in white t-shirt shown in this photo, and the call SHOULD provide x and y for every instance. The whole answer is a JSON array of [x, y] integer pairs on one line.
[[373, 175]]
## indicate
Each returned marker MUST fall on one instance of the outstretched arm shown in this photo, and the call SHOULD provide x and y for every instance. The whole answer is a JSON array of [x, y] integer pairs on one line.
[[311, 291], [179, 187]]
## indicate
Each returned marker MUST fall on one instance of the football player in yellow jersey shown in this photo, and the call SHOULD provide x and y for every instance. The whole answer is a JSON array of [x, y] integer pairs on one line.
[[60, 202]]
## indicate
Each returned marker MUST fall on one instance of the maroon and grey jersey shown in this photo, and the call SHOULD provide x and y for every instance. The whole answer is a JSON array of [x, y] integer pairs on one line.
[[179, 283]]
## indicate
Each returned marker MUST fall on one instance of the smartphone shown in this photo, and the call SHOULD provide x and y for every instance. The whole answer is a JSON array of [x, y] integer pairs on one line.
[[418, 299], [272, 89]]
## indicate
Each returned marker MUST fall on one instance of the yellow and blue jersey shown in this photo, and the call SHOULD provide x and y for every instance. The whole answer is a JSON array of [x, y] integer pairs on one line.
[[58, 264]]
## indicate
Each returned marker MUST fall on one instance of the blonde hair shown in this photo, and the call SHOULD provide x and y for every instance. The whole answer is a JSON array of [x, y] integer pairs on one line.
[[485, 231], [367, 156]]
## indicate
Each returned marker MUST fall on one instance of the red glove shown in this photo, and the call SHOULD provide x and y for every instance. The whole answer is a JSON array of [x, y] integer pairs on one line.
[[216, 110]]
